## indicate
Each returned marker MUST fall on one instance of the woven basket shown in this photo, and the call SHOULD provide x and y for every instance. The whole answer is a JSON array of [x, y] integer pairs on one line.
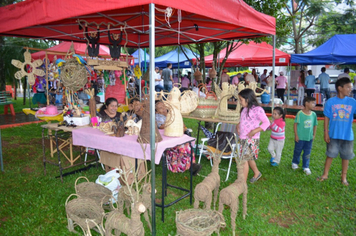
[[229, 115], [84, 212], [206, 106], [97, 192], [198, 75], [212, 73], [198, 222], [73, 75], [188, 102]]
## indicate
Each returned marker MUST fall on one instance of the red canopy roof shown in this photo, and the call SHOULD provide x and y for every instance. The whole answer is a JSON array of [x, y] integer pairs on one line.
[[252, 54], [201, 21], [61, 49]]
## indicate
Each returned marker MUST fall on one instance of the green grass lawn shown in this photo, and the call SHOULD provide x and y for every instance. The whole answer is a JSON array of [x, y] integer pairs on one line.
[[282, 202]]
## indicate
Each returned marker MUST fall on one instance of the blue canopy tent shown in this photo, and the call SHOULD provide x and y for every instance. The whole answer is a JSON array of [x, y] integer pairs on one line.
[[140, 54], [339, 49], [176, 57]]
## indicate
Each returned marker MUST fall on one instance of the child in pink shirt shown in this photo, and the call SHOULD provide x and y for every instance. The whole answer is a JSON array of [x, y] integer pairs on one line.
[[276, 143], [253, 120]]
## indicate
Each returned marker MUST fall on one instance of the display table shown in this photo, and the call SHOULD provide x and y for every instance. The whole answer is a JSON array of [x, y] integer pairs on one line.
[[128, 146], [61, 138], [44, 118]]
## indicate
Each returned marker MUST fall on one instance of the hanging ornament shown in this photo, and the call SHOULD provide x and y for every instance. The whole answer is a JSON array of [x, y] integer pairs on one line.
[[33, 68]]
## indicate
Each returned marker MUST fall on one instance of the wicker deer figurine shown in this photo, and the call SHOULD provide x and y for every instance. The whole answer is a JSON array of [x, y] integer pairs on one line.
[[203, 191], [230, 196], [117, 221]]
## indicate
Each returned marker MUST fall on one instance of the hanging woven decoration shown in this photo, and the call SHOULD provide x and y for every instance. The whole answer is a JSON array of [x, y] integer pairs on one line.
[[73, 75], [34, 71], [212, 73], [198, 75]]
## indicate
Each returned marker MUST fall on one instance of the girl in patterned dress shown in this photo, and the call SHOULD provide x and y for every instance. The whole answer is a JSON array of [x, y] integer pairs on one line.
[[253, 120]]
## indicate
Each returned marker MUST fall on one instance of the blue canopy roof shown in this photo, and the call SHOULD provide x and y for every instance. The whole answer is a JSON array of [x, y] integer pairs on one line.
[[340, 49], [174, 57], [142, 55]]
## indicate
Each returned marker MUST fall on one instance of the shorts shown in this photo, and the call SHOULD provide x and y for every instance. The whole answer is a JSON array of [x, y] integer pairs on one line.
[[249, 149], [344, 147]]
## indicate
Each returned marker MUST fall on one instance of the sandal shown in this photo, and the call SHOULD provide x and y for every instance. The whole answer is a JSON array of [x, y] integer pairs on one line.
[[321, 179], [253, 179], [345, 183]]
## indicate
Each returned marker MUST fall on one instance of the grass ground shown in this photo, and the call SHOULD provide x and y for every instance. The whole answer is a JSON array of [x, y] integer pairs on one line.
[[282, 202]]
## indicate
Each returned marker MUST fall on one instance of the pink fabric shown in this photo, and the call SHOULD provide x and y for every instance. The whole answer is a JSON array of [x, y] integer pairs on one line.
[[282, 81], [185, 82], [127, 145], [300, 83], [235, 80], [252, 121], [278, 128]]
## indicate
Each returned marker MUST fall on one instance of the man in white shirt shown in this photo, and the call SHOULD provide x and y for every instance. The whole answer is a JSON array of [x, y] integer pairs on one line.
[[264, 77], [345, 74], [158, 81]]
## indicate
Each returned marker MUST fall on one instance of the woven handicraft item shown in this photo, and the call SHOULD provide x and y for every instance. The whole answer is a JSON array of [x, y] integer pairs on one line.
[[206, 106], [188, 102], [229, 115], [198, 75], [73, 75], [94, 191], [84, 212], [212, 73], [198, 222]]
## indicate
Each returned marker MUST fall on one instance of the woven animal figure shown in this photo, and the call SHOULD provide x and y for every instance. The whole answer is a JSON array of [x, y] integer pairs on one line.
[[230, 196], [175, 128], [93, 39], [144, 136], [117, 221], [204, 190], [223, 94], [133, 127], [254, 87], [115, 48]]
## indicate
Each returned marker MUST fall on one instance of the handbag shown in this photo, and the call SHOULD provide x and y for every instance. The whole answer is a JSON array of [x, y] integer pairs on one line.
[[207, 105], [220, 141]]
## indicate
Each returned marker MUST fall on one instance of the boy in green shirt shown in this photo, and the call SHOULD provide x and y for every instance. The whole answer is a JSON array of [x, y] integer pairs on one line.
[[304, 129]]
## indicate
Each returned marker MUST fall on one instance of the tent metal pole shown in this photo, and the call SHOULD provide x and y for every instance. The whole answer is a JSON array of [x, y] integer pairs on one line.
[[139, 65], [273, 69], [289, 78], [152, 112]]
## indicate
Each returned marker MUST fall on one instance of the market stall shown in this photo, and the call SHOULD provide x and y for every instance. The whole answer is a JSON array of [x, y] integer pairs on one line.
[[191, 22]]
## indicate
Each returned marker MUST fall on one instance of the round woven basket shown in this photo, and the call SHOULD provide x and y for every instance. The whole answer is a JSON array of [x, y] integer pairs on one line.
[[73, 75], [188, 102], [97, 192], [82, 209], [198, 222]]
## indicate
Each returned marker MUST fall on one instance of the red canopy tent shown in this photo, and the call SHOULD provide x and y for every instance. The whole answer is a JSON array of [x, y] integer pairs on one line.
[[201, 21], [252, 54], [61, 49]]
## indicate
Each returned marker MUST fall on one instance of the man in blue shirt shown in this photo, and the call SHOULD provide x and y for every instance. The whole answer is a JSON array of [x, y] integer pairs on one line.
[[324, 80], [310, 83]]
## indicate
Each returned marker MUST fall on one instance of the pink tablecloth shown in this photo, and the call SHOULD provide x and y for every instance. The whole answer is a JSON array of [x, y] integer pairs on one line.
[[127, 145]]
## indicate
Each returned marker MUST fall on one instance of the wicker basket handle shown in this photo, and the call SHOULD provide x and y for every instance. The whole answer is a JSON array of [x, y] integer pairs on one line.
[[202, 88], [75, 184], [211, 94], [73, 194]]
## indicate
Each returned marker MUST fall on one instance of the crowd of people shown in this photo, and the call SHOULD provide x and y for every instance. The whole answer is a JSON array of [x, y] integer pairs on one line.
[[338, 134]]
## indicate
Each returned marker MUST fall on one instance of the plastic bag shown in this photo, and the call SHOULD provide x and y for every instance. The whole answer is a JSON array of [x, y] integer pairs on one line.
[[110, 181]]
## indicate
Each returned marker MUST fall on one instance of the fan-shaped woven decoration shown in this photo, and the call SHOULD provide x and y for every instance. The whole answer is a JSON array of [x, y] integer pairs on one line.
[[73, 75]]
